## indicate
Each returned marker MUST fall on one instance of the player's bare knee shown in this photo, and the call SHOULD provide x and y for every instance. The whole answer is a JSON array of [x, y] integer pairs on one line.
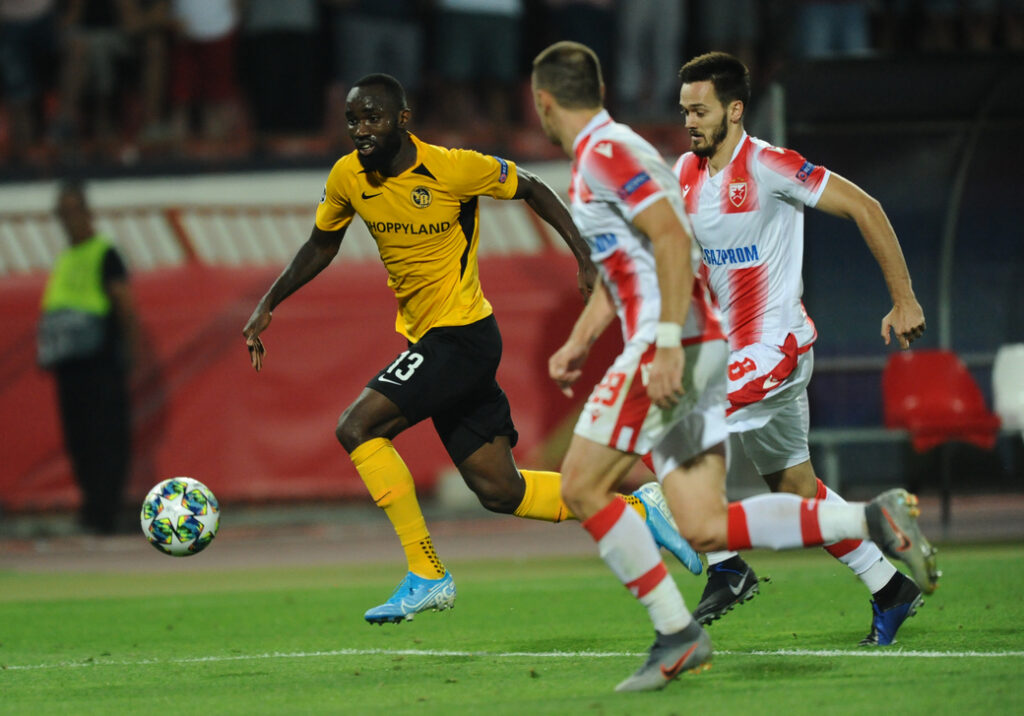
[[496, 498], [706, 532], [704, 539], [494, 479], [502, 503], [498, 490], [350, 432]]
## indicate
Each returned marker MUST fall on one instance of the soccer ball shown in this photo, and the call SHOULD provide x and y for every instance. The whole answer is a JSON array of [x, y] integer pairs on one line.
[[180, 516]]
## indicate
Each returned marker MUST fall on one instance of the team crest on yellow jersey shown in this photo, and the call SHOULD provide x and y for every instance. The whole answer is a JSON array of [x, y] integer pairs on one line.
[[421, 197]]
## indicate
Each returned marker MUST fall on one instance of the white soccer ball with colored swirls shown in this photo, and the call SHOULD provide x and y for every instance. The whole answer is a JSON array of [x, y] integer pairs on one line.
[[180, 516]]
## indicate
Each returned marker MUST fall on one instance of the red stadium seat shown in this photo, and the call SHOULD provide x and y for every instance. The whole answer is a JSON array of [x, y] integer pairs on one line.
[[930, 394]]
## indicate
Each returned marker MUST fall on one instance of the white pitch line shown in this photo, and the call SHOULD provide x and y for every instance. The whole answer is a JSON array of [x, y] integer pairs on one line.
[[875, 651], [827, 653]]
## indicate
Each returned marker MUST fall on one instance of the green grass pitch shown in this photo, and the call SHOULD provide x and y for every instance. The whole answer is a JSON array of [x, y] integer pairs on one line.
[[542, 636]]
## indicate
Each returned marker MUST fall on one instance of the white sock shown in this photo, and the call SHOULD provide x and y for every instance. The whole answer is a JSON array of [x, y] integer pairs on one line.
[[863, 557], [629, 550], [720, 556], [877, 575]]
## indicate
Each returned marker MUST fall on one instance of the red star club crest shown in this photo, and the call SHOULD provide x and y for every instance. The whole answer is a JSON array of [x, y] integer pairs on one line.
[[737, 192]]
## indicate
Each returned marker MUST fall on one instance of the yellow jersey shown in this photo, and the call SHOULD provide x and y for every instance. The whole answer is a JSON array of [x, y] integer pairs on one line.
[[426, 223]]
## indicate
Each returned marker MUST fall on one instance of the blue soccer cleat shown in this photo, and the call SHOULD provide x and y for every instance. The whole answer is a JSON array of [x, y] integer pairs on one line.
[[886, 622], [663, 527], [415, 594]]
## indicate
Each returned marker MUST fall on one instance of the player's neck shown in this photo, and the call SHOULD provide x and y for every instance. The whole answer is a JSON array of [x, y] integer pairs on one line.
[[721, 158], [404, 159], [574, 122]]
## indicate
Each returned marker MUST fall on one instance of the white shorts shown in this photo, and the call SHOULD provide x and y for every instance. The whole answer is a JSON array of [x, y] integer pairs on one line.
[[763, 379], [781, 423], [698, 431], [782, 442], [620, 415]]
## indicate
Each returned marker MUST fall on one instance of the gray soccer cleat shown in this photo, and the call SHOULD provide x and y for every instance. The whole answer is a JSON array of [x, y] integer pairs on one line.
[[892, 525], [670, 655]]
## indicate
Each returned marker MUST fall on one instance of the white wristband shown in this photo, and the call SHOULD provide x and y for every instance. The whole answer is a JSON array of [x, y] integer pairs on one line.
[[668, 335]]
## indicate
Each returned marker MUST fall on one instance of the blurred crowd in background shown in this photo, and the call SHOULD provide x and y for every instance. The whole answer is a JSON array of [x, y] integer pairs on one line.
[[122, 82]]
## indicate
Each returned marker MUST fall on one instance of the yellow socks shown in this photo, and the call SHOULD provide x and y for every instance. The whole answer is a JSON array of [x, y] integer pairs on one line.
[[543, 498], [392, 488], [636, 504]]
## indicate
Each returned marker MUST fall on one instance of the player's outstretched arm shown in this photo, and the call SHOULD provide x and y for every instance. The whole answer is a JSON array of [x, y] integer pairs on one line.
[[548, 206], [671, 242], [311, 258], [565, 366], [845, 199]]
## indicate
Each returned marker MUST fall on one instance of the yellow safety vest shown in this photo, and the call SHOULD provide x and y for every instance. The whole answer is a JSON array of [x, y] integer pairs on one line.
[[76, 282]]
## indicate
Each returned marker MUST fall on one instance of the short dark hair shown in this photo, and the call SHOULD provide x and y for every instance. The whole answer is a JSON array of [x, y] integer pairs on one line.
[[729, 76], [571, 72], [392, 87]]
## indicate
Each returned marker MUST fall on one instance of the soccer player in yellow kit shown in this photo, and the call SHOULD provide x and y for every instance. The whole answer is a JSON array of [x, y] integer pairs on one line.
[[419, 202]]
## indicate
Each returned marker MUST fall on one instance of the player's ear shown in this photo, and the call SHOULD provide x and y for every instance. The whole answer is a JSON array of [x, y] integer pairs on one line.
[[543, 100], [736, 108], [403, 117]]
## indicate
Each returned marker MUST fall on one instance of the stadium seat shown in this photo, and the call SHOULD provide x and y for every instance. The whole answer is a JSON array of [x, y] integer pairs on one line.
[[930, 394], [1008, 386]]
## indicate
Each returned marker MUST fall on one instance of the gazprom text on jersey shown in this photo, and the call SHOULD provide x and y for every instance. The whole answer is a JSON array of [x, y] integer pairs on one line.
[[395, 227], [721, 257]]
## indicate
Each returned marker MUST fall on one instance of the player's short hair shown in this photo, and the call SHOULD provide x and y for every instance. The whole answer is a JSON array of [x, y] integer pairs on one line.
[[571, 72], [729, 76], [392, 87]]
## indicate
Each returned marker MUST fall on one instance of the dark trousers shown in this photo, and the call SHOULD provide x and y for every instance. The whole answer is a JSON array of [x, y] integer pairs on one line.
[[94, 409]]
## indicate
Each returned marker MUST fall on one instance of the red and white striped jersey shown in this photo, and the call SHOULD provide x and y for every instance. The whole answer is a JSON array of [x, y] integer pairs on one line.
[[615, 176], [748, 220]]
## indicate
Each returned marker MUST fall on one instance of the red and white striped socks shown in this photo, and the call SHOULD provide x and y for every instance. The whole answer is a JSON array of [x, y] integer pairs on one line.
[[789, 521], [627, 547], [783, 521], [862, 556]]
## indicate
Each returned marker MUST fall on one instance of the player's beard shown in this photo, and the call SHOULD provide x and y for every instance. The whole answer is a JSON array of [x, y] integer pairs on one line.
[[381, 157], [715, 141]]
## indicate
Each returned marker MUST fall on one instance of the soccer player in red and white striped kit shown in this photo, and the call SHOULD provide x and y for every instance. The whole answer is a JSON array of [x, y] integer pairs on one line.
[[665, 394], [745, 199]]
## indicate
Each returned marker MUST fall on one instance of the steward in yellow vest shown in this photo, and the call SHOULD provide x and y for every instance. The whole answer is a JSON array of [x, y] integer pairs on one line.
[[86, 327], [76, 323]]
